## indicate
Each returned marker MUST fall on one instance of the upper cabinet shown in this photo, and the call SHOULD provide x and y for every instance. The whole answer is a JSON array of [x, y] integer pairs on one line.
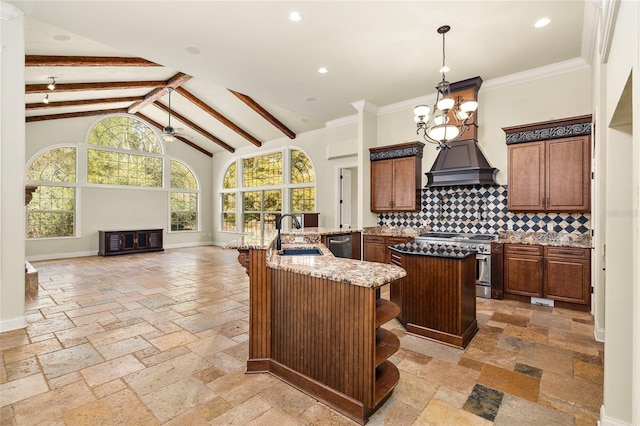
[[549, 167], [396, 173]]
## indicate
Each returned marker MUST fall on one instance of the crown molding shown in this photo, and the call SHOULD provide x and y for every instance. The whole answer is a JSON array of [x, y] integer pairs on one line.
[[364, 105], [9, 11]]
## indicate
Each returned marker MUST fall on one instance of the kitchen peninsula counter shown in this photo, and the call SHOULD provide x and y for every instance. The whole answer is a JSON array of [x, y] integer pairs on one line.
[[314, 322]]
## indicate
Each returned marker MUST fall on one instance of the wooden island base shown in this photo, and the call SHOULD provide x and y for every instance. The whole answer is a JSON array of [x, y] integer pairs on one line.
[[437, 297], [322, 337]]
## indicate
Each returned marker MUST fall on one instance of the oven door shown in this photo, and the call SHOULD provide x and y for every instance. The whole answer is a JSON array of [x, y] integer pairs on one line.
[[483, 275]]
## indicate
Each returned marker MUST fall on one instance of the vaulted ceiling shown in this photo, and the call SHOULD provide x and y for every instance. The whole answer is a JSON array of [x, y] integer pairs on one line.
[[244, 74]]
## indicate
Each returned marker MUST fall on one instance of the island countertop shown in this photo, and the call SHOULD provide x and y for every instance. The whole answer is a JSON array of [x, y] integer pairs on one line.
[[432, 250], [348, 271]]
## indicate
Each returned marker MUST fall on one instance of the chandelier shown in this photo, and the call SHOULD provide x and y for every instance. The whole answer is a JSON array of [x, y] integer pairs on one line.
[[450, 117]]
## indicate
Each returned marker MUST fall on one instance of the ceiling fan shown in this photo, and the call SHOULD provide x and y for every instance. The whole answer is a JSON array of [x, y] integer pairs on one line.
[[169, 134]]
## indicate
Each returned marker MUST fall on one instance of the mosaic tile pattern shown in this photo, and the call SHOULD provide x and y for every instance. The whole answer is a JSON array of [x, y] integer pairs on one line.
[[481, 209]]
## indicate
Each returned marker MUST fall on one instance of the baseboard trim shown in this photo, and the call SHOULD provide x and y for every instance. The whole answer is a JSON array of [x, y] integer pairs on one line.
[[13, 323], [609, 421], [598, 334], [53, 256], [185, 245]]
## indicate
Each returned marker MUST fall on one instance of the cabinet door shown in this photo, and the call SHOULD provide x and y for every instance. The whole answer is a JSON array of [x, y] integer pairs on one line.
[[567, 175], [523, 275], [374, 249], [404, 184], [128, 240], [155, 239], [568, 280], [526, 190], [381, 185], [142, 240]]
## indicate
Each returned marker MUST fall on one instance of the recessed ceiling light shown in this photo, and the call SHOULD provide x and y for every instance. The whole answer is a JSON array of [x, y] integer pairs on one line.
[[542, 22], [295, 16], [323, 70], [61, 37], [192, 49], [309, 99]]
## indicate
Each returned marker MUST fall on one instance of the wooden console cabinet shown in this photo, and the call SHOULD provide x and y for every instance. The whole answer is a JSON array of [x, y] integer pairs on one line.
[[125, 242]]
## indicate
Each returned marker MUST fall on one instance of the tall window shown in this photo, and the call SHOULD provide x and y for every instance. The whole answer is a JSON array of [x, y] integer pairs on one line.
[[124, 151], [184, 198], [270, 185], [229, 183], [52, 210]]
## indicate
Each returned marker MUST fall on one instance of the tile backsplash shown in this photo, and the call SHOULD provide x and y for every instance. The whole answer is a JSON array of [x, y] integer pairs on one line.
[[481, 209]]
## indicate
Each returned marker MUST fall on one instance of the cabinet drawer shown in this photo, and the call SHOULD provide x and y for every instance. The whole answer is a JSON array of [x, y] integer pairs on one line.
[[523, 249], [572, 252], [398, 240], [374, 239]]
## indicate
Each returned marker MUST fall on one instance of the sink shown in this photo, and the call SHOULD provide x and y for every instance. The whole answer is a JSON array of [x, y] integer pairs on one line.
[[312, 251]]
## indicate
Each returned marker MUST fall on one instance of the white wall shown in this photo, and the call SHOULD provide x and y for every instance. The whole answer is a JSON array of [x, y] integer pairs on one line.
[[619, 119], [113, 208], [12, 218]]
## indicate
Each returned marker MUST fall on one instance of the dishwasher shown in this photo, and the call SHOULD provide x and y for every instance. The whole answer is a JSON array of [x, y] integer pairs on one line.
[[340, 245]]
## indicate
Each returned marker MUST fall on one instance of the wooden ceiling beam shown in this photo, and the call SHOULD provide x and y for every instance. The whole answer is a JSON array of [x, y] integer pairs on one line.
[[82, 87], [42, 105], [74, 114], [248, 101], [85, 61], [173, 83], [215, 114], [182, 139], [195, 127]]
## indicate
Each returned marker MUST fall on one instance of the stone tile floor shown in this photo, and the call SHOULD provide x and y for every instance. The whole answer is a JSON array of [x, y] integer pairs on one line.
[[161, 338]]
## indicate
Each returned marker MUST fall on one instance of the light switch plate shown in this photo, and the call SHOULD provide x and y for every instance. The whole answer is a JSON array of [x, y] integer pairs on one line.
[[298, 240]]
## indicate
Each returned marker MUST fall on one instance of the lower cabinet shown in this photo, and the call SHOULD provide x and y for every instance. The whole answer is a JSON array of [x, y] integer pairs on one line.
[[375, 247], [125, 242], [557, 273], [567, 273]]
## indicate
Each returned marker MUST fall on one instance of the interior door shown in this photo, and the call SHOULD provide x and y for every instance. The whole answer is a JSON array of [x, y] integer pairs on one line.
[[345, 198]]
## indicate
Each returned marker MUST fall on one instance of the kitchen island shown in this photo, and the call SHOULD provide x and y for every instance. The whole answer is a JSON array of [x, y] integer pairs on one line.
[[437, 297], [314, 322]]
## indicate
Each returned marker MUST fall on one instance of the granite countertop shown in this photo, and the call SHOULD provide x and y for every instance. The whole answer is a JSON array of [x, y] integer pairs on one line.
[[302, 235], [348, 271], [395, 231], [432, 250], [559, 239]]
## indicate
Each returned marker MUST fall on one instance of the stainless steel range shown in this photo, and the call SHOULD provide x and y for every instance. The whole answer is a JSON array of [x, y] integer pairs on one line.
[[480, 243]]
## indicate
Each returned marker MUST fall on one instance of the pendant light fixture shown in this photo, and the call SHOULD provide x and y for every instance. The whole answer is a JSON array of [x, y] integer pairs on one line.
[[52, 85], [449, 118]]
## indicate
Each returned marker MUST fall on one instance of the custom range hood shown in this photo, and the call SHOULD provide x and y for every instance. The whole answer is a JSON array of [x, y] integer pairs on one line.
[[462, 162]]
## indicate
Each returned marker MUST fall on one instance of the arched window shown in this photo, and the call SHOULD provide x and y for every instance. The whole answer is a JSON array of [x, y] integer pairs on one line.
[[184, 198], [52, 210], [271, 185], [124, 151]]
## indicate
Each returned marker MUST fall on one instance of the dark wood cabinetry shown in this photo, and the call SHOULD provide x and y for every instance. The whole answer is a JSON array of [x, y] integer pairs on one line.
[[497, 270], [567, 273], [396, 176], [126, 242], [376, 247], [562, 274], [523, 270], [437, 297], [550, 175]]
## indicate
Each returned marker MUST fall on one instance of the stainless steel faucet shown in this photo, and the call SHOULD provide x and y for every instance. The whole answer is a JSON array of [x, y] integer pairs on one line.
[[279, 225]]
